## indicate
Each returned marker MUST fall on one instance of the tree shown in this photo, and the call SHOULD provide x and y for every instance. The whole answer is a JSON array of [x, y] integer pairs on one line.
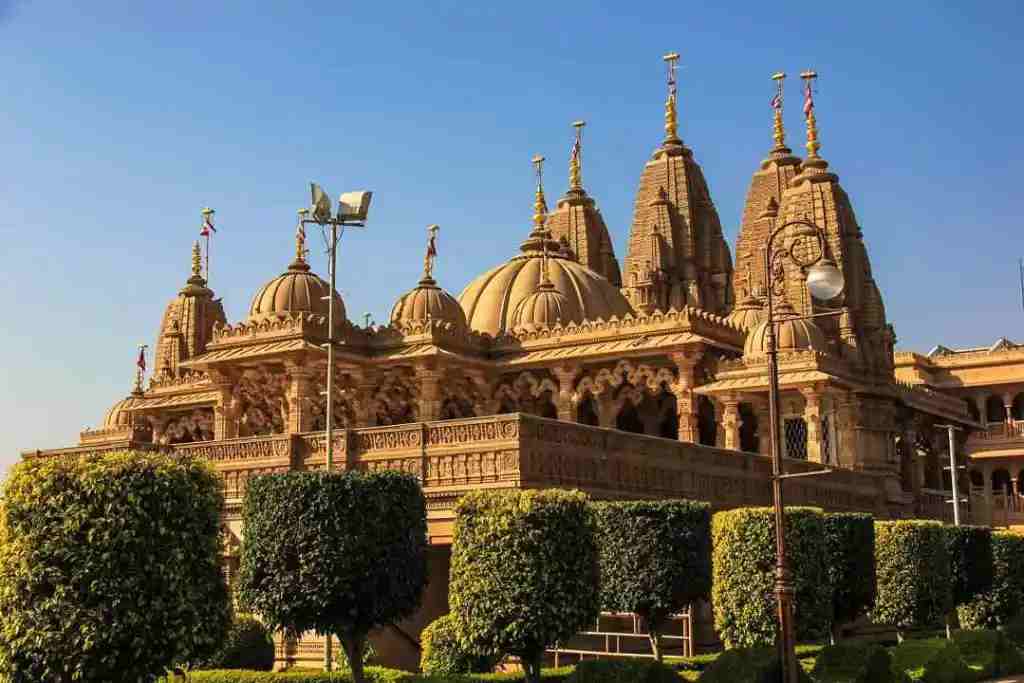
[[524, 571], [335, 553], [850, 564], [109, 567], [655, 559]]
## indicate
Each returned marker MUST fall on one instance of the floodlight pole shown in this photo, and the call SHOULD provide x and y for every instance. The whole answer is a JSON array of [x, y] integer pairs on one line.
[[330, 348], [954, 470]]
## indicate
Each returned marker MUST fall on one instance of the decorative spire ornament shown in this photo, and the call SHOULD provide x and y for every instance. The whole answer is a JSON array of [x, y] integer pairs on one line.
[[540, 206], [206, 231], [140, 370], [431, 255], [671, 111], [779, 133], [575, 159], [812, 125], [197, 260], [300, 236]]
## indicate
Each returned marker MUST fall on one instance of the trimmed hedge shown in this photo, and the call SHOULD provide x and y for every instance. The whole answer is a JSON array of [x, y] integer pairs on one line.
[[970, 561], [850, 549], [855, 662], [248, 645], [1004, 601], [443, 654], [373, 675], [622, 671], [655, 558], [110, 567], [931, 660], [524, 571], [744, 574], [989, 653], [748, 665], [334, 553], [912, 567]]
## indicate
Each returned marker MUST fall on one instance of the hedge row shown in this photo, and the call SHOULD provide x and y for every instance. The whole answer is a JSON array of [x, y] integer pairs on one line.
[[1004, 601]]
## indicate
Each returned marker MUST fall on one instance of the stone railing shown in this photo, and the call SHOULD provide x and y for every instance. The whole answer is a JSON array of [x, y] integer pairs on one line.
[[1003, 431]]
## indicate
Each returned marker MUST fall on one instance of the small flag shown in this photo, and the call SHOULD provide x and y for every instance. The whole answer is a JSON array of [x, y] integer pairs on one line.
[[776, 102], [208, 228], [575, 156], [808, 99], [432, 242], [141, 363]]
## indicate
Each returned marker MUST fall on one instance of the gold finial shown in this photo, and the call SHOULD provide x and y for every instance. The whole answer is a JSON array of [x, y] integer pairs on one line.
[[300, 236], [671, 113], [812, 125], [780, 133], [428, 259], [575, 158], [197, 260], [540, 206]]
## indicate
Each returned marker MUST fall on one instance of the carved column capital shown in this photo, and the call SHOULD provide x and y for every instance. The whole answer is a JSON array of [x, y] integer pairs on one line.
[[730, 420], [566, 376]]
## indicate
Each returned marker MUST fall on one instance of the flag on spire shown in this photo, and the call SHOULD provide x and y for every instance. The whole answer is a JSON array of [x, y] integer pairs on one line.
[[808, 98], [776, 102], [141, 362], [208, 228]]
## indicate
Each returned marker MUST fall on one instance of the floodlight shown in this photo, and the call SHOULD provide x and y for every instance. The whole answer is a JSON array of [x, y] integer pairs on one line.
[[354, 206], [321, 207]]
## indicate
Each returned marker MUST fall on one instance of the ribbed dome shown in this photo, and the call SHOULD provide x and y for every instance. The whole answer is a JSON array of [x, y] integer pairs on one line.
[[492, 300], [747, 314], [428, 301], [545, 307], [296, 291], [792, 334], [118, 415]]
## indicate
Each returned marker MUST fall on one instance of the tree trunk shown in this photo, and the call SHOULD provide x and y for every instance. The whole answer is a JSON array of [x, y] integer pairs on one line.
[[354, 646], [654, 634], [949, 626], [531, 667]]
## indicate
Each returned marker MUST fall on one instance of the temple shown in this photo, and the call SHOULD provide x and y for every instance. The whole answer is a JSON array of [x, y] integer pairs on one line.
[[559, 368]]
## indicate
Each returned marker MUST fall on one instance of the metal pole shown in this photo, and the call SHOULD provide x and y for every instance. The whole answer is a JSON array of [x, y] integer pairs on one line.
[[328, 641], [953, 472], [783, 582]]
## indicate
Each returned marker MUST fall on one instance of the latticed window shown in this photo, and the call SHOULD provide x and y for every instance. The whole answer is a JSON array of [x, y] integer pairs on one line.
[[796, 438], [826, 440]]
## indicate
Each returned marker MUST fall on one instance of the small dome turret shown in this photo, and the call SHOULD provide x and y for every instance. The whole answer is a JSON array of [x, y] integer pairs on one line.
[[747, 314], [427, 301], [793, 334]]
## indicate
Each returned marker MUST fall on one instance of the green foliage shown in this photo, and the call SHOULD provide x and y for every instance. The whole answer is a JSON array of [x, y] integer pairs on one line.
[[989, 653], [970, 561], [850, 564], [912, 567], [524, 571], [1014, 630], [747, 665], [855, 662], [744, 574], [655, 558], [931, 660], [110, 567], [1004, 601], [334, 553], [341, 659], [622, 671], [373, 675], [248, 645], [444, 654]]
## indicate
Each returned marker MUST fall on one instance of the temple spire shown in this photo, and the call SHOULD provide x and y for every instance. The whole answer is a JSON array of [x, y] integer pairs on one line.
[[540, 206], [576, 160], [812, 125], [671, 110], [197, 260], [779, 133]]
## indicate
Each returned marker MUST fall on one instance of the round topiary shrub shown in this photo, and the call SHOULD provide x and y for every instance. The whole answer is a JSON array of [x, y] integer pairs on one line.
[[931, 660], [443, 653], [743, 542], [912, 568], [850, 565], [524, 571], [622, 671], [1004, 600], [655, 558], [248, 645], [989, 653], [855, 662], [110, 567], [748, 665]]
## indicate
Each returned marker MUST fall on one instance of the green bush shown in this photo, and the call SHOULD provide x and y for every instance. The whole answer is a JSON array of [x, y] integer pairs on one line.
[[989, 653], [373, 675], [443, 653], [1014, 630], [110, 567], [931, 660], [524, 571], [850, 564], [248, 645], [744, 574], [855, 662], [1004, 601], [622, 671], [748, 665], [337, 553], [912, 568], [655, 558], [970, 561]]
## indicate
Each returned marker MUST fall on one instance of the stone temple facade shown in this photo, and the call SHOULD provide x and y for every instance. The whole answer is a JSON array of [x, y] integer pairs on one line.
[[562, 368]]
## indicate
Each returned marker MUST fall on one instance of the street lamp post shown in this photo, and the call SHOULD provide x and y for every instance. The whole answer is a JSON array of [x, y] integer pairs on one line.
[[825, 282]]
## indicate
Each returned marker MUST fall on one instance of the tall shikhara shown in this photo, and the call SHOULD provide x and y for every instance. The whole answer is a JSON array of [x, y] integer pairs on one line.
[[677, 254]]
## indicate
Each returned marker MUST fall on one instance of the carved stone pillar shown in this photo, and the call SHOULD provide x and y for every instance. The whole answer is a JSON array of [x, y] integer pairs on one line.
[[730, 422], [430, 393], [225, 412], [366, 387], [301, 391], [686, 400], [846, 412], [812, 418], [566, 376], [1008, 405], [979, 402]]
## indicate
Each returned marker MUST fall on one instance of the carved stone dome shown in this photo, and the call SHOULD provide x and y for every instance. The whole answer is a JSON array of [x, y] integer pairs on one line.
[[545, 307], [793, 334], [428, 301], [492, 300], [296, 291], [118, 415], [747, 314]]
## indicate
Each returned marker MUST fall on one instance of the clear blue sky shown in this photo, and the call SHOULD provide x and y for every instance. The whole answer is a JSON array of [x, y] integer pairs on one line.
[[119, 121]]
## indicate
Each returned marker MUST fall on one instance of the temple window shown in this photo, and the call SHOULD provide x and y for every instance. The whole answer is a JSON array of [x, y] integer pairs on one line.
[[748, 428], [995, 411], [794, 438]]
